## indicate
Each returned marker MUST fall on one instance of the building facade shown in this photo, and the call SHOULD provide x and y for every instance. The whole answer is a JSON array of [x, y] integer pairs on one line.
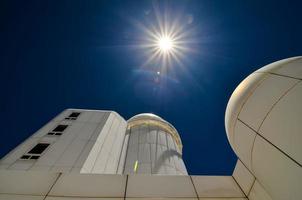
[[103, 142]]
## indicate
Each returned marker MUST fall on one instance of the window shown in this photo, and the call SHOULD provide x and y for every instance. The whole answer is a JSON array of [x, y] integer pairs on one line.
[[58, 130], [35, 152], [34, 157], [39, 148], [73, 116], [25, 157]]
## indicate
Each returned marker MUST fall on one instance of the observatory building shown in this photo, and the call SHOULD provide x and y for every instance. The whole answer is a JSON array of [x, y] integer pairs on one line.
[[101, 142], [98, 155]]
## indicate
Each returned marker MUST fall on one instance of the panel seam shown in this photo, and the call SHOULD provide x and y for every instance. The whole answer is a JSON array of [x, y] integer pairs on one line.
[[59, 175], [272, 144]]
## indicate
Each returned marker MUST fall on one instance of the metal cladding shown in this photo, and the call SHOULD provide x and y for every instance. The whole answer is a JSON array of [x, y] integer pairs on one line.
[[264, 125], [154, 147], [101, 142]]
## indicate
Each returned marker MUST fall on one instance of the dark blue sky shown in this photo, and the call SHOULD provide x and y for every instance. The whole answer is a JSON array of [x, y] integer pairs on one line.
[[81, 54]]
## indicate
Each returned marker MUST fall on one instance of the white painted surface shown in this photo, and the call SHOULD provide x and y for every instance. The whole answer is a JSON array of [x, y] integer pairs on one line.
[[243, 142], [26, 182], [20, 197], [216, 186], [269, 102], [258, 193], [244, 177], [91, 143], [283, 125], [89, 185], [160, 186], [151, 144], [263, 98]]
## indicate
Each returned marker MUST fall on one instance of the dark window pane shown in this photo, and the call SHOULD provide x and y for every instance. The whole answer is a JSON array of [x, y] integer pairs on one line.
[[39, 148], [50, 133], [60, 128], [34, 157], [74, 114], [25, 157]]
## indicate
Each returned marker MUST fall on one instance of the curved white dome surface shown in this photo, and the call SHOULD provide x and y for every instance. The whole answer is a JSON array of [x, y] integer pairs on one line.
[[154, 147], [264, 126], [145, 115]]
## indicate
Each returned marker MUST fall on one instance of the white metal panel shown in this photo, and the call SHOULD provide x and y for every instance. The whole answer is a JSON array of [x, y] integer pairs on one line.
[[292, 69], [81, 198], [161, 140], [280, 176], [170, 170], [243, 177], [100, 126], [144, 168], [92, 156], [216, 186], [283, 125], [106, 154], [143, 134], [89, 185], [183, 168], [136, 198], [97, 117], [243, 142], [130, 168], [134, 137], [116, 151], [123, 154], [144, 153], [86, 132], [103, 134], [98, 147], [258, 193], [26, 182], [170, 141], [263, 98], [238, 98], [132, 154], [20, 197], [160, 186], [69, 157], [153, 156], [153, 136], [83, 156], [22, 164]]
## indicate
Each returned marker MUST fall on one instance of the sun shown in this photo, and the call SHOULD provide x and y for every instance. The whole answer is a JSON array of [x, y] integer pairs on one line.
[[165, 44], [166, 38]]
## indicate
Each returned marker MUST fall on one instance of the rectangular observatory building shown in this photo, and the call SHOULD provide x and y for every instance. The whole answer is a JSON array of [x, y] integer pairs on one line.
[[85, 141]]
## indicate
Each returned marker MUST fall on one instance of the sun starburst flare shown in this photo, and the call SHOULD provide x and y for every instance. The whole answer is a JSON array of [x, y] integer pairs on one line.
[[166, 39]]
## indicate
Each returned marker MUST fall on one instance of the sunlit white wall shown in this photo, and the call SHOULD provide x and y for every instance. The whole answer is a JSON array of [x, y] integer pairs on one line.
[[90, 144], [264, 127]]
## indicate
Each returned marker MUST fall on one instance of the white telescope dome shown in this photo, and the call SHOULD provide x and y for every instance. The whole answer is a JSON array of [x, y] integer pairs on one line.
[[263, 122]]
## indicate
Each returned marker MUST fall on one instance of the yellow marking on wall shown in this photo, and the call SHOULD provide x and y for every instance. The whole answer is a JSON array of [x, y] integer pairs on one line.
[[135, 166]]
